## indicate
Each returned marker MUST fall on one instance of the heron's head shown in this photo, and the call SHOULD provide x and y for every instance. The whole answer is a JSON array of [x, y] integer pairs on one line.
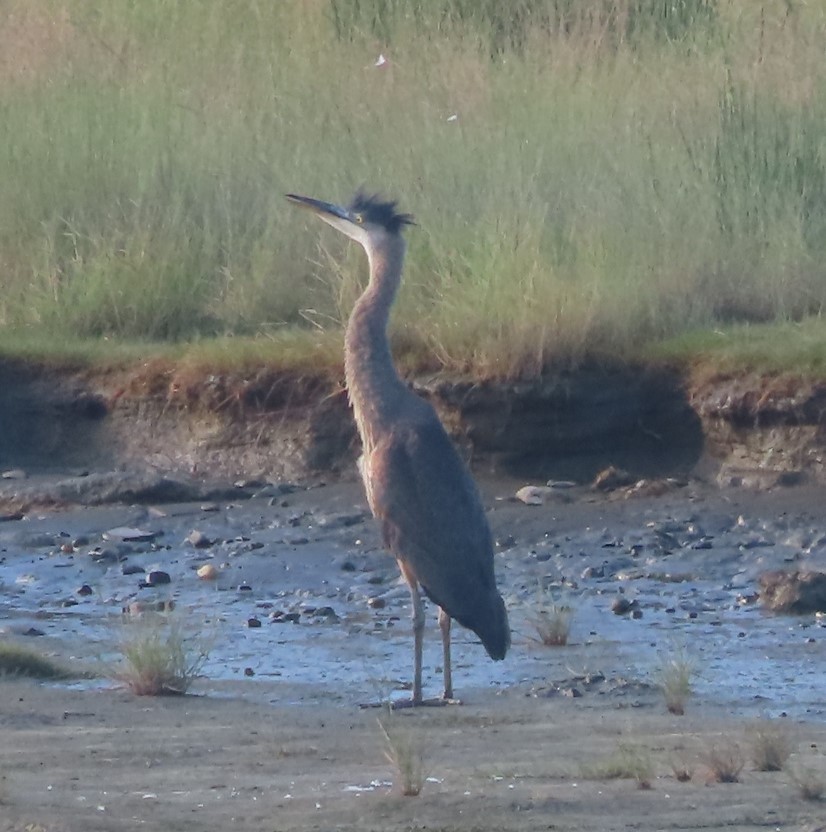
[[368, 219]]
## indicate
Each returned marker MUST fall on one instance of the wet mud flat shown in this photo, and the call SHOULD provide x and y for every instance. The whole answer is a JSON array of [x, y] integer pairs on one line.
[[273, 736]]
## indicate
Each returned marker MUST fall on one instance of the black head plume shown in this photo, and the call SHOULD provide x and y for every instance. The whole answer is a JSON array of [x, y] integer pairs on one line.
[[379, 211]]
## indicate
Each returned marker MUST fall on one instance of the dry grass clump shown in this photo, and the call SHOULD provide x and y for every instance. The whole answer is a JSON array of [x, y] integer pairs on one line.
[[158, 657], [770, 745], [724, 760], [551, 620], [673, 677], [21, 661], [405, 751], [810, 783], [628, 761]]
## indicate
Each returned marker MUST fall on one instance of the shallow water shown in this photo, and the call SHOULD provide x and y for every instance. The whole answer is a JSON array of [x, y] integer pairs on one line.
[[291, 558]]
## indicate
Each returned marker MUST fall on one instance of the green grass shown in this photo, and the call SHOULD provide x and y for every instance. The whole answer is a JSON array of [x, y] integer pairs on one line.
[[17, 661], [623, 176]]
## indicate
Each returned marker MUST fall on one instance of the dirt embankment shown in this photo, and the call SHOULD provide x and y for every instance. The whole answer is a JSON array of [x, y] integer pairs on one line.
[[745, 430]]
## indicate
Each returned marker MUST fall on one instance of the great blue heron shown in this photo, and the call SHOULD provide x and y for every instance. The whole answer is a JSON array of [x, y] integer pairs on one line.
[[431, 514]]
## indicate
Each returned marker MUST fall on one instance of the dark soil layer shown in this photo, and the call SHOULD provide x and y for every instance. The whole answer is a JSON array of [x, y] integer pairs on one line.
[[651, 422]]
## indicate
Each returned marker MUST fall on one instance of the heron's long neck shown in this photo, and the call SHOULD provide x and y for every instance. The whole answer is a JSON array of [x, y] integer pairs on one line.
[[374, 386]]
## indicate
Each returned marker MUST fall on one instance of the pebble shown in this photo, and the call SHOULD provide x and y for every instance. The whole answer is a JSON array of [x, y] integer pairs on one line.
[[207, 572], [129, 535], [253, 622], [156, 577], [622, 605], [85, 590], [198, 539], [376, 603], [132, 569], [533, 495]]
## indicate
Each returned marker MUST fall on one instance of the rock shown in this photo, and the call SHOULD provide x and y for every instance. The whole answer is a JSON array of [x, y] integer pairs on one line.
[[799, 592], [533, 495], [248, 671], [207, 572], [156, 578], [210, 507], [132, 569], [106, 555], [622, 605], [611, 478], [376, 603], [85, 590], [245, 588], [253, 622], [33, 631], [198, 539], [129, 535]]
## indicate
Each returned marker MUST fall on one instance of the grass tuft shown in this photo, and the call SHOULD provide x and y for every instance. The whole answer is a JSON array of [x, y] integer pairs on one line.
[[810, 783], [405, 752], [551, 620], [673, 676], [770, 745], [158, 657], [628, 761], [18, 661], [724, 760]]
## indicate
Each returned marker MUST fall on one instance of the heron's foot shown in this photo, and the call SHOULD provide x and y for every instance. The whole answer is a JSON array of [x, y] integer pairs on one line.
[[403, 704]]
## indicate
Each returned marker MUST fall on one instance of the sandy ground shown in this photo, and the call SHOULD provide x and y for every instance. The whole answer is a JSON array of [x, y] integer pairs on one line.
[[301, 755]]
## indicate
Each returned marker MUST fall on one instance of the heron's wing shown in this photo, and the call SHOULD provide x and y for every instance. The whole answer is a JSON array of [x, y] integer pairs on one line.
[[433, 519]]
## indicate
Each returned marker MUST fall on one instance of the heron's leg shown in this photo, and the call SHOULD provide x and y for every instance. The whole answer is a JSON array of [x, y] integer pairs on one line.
[[444, 626], [418, 638]]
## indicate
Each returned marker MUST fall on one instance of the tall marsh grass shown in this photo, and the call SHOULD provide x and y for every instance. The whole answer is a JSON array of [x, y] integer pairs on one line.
[[589, 178]]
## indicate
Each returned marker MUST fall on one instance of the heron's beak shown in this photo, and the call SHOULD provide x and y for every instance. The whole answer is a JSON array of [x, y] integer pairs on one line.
[[340, 218]]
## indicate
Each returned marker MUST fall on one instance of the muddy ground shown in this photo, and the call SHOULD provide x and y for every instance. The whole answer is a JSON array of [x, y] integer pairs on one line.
[[289, 748]]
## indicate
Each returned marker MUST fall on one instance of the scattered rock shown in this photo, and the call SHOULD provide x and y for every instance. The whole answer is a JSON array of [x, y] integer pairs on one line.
[[533, 495], [253, 622], [622, 605], [799, 592], [129, 535], [611, 478], [248, 671], [198, 539], [132, 569], [376, 603], [156, 577], [207, 572], [85, 590]]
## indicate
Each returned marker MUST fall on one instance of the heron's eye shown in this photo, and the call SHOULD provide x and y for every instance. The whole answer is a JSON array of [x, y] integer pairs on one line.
[[359, 218]]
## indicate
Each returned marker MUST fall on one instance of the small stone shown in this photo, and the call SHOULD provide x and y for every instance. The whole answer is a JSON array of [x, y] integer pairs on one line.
[[636, 613], [69, 602], [533, 495], [245, 588], [207, 572], [129, 535], [291, 616], [376, 603], [198, 539], [210, 507], [156, 578], [253, 622], [67, 548], [106, 555], [348, 566], [132, 569], [611, 478], [85, 590], [248, 671], [33, 631], [593, 572], [622, 605]]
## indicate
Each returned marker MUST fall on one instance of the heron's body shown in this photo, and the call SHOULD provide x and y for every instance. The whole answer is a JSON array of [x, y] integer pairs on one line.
[[417, 486]]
